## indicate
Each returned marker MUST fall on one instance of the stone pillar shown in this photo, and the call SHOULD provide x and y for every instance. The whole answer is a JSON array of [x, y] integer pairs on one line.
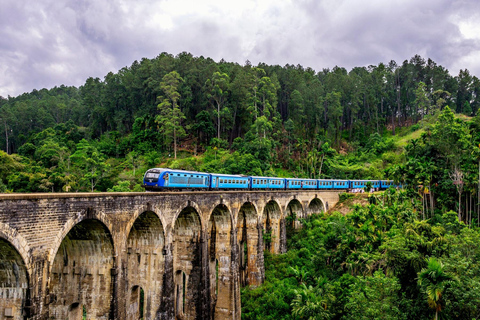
[[114, 302], [235, 276], [205, 294], [283, 236], [38, 308], [167, 308], [260, 258]]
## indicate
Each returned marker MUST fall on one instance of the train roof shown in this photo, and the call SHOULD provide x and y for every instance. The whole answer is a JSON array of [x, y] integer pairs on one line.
[[175, 170], [259, 177], [229, 175], [301, 179]]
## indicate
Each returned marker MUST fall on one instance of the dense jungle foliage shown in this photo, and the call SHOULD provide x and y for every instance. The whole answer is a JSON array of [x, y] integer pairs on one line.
[[381, 261]]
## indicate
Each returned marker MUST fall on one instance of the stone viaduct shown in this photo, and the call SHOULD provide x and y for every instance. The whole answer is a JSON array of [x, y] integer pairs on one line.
[[176, 255]]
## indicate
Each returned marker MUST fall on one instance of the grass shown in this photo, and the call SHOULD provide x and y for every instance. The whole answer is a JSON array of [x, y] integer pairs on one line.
[[403, 140]]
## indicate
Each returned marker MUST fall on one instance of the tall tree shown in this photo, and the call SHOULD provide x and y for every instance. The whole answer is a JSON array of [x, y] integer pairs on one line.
[[434, 280], [217, 91], [170, 117]]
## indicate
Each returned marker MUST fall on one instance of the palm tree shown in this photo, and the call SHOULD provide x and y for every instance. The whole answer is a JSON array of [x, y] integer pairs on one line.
[[312, 302], [434, 280]]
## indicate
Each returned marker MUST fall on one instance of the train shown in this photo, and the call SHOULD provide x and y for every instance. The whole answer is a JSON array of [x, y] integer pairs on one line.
[[159, 179]]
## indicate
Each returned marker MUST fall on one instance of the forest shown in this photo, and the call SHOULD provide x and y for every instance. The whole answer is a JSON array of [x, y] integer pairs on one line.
[[402, 254], [194, 113]]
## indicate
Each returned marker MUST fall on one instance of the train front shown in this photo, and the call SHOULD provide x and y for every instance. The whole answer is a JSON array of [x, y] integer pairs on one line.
[[154, 179]]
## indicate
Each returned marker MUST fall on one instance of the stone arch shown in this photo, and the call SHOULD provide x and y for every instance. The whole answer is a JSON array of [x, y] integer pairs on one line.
[[220, 252], [83, 271], [70, 224], [189, 205], [14, 282], [315, 206], [271, 222], [17, 241], [187, 258], [145, 265], [250, 251], [293, 212], [141, 211]]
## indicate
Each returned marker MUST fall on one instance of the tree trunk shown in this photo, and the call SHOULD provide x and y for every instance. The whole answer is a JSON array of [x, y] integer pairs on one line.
[[431, 201], [174, 143], [218, 120], [6, 136], [459, 207]]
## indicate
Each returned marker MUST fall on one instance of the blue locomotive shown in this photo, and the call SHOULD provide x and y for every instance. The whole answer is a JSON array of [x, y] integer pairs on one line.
[[157, 179]]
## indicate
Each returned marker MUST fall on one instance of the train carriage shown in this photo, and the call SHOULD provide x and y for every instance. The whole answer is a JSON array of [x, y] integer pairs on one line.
[[341, 184], [360, 184], [267, 183], [296, 183], [229, 181], [162, 178], [385, 184], [259, 182], [325, 184]]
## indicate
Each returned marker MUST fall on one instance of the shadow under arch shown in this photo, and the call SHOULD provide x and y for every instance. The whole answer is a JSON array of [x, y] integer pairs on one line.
[[272, 229], [190, 206], [145, 266], [82, 271], [220, 260], [316, 206], [72, 223], [187, 258], [250, 246], [17, 241], [14, 282], [136, 304], [294, 211]]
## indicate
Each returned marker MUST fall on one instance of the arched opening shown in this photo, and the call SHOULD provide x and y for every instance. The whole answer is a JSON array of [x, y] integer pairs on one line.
[[247, 237], [293, 214], [82, 273], [180, 293], [76, 311], [13, 282], [219, 242], [145, 265], [187, 262], [271, 227], [315, 207], [136, 304]]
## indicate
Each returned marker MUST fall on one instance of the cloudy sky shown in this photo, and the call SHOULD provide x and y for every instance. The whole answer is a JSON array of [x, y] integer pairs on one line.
[[45, 43]]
